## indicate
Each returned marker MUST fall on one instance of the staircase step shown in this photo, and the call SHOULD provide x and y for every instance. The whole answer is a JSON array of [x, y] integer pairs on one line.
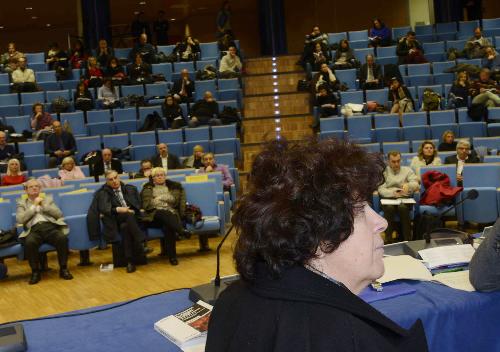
[[289, 104], [263, 84], [265, 65], [292, 128]]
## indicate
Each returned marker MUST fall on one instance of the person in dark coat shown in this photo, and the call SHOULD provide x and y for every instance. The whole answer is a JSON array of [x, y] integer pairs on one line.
[[464, 156], [164, 159], [105, 163], [409, 50], [139, 72], [305, 251], [183, 88], [59, 144], [370, 74], [205, 112], [143, 48], [118, 206]]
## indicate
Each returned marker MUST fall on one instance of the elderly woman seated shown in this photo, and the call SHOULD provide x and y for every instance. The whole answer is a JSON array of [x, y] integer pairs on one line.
[[69, 171], [195, 161], [14, 175], [164, 202], [308, 244], [210, 165]]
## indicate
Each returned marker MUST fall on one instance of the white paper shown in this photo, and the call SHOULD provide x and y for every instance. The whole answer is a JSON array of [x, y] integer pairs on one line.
[[397, 201], [404, 267], [457, 279], [197, 348], [447, 255]]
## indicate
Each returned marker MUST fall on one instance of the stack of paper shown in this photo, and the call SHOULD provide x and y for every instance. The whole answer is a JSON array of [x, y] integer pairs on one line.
[[447, 255], [404, 267], [397, 201]]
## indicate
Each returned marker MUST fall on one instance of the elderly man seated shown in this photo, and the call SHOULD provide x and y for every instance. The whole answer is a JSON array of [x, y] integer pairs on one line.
[[23, 78], [464, 156], [43, 222], [165, 159], [400, 182], [210, 165]]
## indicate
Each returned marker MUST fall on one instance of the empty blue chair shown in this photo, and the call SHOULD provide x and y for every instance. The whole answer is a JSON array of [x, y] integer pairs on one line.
[[76, 121], [386, 120], [467, 27], [231, 83], [488, 142], [131, 166], [170, 136], [425, 29], [414, 119], [45, 76], [491, 159], [221, 132], [9, 99], [433, 48], [179, 66], [442, 117], [358, 44], [457, 44], [140, 152], [402, 147], [115, 140], [97, 116], [355, 97], [35, 161], [32, 98], [177, 149], [159, 89], [87, 144], [4, 88], [53, 172], [99, 128], [68, 84], [166, 49], [20, 123], [493, 113], [399, 32], [4, 78], [126, 126], [359, 129], [336, 37], [388, 134], [200, 65], [35, 58], [388, 51], [340, 135], [197, 134], [371, 147], [491, 23], [204, 194], [10, 110], [347, 76], [360, 54], [226, 145], [378, 95], [38, 66], [209, 50], [416, 132], [476, 62], [124, 114], [143, 138], [132, 90], [447, 27], [357, 35], [122, 53], [32, 148], [332, 124], [144, 111], [225, 159], [485, 178], [421, 80], [164, 68]]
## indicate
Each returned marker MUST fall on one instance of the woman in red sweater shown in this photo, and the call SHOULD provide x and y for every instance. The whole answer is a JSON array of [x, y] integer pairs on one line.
[[14, 176]]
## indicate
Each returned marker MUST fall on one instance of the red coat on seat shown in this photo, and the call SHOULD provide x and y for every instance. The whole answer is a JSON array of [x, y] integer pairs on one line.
[[437, 189]]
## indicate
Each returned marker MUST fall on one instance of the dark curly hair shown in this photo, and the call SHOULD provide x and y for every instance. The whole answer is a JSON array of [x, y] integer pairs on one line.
[[301, 197]]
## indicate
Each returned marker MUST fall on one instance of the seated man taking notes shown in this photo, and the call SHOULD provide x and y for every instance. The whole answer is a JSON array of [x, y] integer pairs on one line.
[[400, 183]]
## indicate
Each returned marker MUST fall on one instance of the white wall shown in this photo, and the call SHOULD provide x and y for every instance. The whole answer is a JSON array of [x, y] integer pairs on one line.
[[421, 12]]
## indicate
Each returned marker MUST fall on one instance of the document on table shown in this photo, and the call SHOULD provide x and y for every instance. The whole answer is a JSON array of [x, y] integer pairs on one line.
[[404, 267], [457, 279], [447, 255], [397, 201]]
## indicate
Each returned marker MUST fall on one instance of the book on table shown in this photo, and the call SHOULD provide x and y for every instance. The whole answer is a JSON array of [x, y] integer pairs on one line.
[[187, 328]]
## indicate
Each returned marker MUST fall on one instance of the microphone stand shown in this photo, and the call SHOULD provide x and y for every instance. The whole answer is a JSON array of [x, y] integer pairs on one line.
[[217, 273]]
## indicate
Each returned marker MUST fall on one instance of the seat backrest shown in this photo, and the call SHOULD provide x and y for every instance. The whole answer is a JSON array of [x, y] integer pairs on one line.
[[197, 134], [387, 51], [359, 126], [225, 159], [96, 116], [371, 147], [132, 90], [357, 35], [457, 44], [442, 117], [488, 142], [115, 140], [88, 144], [75, 204], [355, 97], [164, 68], [402, 147], [447, 27], [34, 97], [144, 111], [209, 50], [360, 54], [332, 124], [6, 219], [481, 175], [439, 67], [32, 148], [386, 120], [336, 37], [159, 89], [424, 29], [170, 136], [436, 47], [219, 132], [203, 195], [378, 95], [20, 123], [347, 76], [125, 114], [450, 170], [414, 119], [143, 138], [398, 32], [76, 121], [131, 166], [9, 99]]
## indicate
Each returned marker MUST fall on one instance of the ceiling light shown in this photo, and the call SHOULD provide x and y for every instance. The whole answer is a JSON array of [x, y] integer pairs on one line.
[[48, 25], [34, 17], [142, 3], [172, 19], [2, 27], [28, 8]]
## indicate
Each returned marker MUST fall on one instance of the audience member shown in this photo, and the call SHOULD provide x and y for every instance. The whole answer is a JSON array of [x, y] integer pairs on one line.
[[400, 182], [484, 90], [327, 102], [321, 55], [344, 56], [427, 155], [370, 74], [225, 42], [183, 88], [194, 161], [115, 71], [492, 61], [144, 49], [59, 144], [325, 76], [14, 175], [210, 165], [172, 111], [105, 163], [409, 50], [145, 170], [56, 57], [322, 247], [69, 171], [104, 53], [164, 159], [140, 26], [7, 151], [475, 48], [311, 39], [458, 97], [78, 55], [42, 223], [119, 205], [93, 74], [108, 96], [483, 267], [448, 142], [23, 78], [187, 49], [223, 20], [164, 202], [464, 156], [205, 112], [10, 58], [230, 64], [160, 27], [82, 98], [41, 121], [379, 34], [400, 97], [139, 71]]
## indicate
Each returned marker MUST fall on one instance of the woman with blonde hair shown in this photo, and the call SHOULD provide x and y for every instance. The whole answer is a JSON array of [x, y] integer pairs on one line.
[[69, 171], [427, 155], [14, 175], [448, 142]]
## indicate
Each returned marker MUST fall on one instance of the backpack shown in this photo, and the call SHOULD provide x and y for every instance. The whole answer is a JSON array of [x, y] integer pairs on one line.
[[62, 73], [431, 100], [208, 72], [8, 238], [152, 122], [229, 115], [134, 100], [60, 105], [478, 112]]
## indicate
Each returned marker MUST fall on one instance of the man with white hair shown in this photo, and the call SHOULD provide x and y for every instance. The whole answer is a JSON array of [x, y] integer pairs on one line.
[[43, 222], [464, 156]]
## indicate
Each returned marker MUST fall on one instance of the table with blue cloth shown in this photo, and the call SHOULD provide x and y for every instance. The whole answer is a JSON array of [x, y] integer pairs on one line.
[[454, 321]]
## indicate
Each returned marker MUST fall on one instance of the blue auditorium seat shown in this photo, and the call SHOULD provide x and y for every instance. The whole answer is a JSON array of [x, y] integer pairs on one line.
[[64, 93], [357, 35], [35, 58], [421, 80], [200, 65], [125, 126], [209, 50], [166, 49], [378, 95], [76, 121], [399, 32], [231, 83], [137, 89], [115, 140], [416, 132], [446, 27], [144, 111], [87, 144], [466, 28], [32, 148], [131, 166], [179, 66], [170, 136], [226, 145], [360, 54], [202, 86], [348, 77], [32, 98], [336, 37], [491, 23], [442, 117], [331, 124], [20, 123], [425, 29], [371, 147], [143, 138], [222, 132], [164, 68], [9, 99], [125, 114], [159, 89], [414, 119], [45, 76], [122, 53], [402, 147], [355, 97], [143, 151], [457, 44], [359, 129], [197, 134], [97, 116], [386, 120]]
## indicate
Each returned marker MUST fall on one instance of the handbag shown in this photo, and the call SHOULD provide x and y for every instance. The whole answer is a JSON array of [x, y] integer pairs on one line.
[[8, 238], [193, 216]]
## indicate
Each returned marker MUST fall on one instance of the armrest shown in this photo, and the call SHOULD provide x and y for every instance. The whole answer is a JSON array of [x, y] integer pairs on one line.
[[233, 191], [222, 218]]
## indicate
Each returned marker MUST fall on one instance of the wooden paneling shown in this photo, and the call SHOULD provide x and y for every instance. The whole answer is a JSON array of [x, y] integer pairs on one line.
[[290, 104], [292, 128], [265, 65], [287, 83]]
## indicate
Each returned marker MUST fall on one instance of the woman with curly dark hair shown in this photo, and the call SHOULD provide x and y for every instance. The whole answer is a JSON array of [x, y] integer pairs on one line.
[[308, 244]]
